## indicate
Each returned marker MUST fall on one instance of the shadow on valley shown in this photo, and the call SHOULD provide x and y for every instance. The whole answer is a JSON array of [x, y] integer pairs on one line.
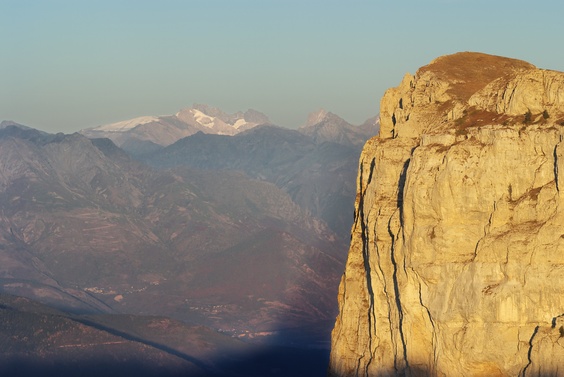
[[291, 352], [37, 340], [275, 361], [258, 360], [269, 363]]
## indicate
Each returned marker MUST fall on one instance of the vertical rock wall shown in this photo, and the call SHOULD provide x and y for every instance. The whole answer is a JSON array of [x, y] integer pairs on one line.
[[456, 263]]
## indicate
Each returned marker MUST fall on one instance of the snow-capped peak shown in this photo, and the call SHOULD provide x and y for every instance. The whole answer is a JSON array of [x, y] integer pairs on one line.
[[203, 119]]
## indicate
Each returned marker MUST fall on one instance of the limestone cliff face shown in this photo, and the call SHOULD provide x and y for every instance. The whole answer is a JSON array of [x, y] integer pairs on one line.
[[456, 263]]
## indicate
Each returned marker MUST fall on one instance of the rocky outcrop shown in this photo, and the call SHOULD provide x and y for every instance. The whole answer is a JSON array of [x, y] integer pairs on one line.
[[456, 263]]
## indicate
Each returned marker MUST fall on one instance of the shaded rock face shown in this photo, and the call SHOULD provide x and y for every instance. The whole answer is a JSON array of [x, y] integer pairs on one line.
[[456, 263]]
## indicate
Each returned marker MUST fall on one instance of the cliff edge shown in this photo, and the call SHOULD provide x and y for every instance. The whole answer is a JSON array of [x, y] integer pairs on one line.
[[456, 262]]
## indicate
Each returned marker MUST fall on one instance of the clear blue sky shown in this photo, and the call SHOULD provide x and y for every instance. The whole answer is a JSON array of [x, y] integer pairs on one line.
[[71, 64]]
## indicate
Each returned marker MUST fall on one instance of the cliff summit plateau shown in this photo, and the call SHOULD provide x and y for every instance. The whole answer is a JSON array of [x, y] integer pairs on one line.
[[456, 261]]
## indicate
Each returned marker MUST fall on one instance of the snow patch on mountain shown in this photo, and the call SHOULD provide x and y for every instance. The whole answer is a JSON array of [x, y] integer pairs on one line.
[[240, 123], [127, 124], [203, 119]]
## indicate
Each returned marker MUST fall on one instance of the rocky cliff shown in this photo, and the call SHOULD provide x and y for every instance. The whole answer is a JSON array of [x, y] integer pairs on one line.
[[456, 263]]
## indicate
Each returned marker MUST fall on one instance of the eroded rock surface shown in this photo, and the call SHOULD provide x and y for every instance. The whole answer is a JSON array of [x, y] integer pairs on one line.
[[456, 263]]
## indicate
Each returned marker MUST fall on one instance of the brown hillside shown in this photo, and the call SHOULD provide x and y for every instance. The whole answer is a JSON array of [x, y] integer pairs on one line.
[[468, 72]]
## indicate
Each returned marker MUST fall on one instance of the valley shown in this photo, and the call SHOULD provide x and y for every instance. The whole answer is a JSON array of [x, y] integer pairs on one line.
[[241, 236]]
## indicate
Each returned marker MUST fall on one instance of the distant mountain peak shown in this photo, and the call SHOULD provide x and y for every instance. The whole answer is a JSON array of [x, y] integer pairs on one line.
[[151, 131], [235, 119], [210, 111], [257, 117], [324, 116], [316, 117], [220, 122], [324, 126], [9, 123], [128, 124]]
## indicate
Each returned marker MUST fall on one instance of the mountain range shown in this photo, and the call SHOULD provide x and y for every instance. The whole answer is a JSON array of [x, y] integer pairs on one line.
[[243, 234], [147, 133], [315, 164]]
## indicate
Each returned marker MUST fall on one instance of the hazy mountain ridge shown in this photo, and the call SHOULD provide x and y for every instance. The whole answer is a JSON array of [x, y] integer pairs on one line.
[[229, 245], [143, 134], [315, 164], [101, 223], [324, 126]]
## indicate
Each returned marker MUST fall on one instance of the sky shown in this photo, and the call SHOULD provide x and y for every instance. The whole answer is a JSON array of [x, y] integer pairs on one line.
[[67, 65]]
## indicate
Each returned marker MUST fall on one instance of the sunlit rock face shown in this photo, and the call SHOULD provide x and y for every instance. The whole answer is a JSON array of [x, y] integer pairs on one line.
[[456, 262]]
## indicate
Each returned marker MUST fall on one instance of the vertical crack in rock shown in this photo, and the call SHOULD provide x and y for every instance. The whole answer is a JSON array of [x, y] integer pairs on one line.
[[486, 231], [372, 165], [434, 340], [530, 352], [397, 294], [368, 275], [399, 368], [389, 301], [367, 268], [511, 95], [401, 186], [555, 154]]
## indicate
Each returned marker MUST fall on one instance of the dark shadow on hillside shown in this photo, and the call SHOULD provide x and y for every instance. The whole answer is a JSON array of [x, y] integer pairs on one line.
[[271, 361], [23, 367], [279, 361], [275, 362], [292, 352], [295, 352]]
